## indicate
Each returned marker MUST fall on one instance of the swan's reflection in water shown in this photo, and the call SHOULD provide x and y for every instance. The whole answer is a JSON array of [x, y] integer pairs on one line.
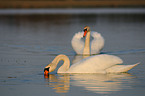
[[98, 83], [103, 84], [61, 83]]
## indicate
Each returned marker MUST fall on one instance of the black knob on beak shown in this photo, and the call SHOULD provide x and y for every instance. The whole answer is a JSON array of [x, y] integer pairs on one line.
[[46, 69]]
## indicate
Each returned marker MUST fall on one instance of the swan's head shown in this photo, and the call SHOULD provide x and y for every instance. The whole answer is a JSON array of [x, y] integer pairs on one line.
[[86, 30], [49, 68]]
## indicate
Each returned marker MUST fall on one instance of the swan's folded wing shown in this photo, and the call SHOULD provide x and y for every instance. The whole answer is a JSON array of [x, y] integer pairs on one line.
[[95, 64], [78, 43], [120, 68]]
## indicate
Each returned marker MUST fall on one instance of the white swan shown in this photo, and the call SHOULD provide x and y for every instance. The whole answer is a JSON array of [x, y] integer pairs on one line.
[[86, 48], [94, 64]]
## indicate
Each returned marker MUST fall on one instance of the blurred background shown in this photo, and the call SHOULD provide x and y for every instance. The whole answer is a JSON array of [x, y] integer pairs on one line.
[[70, 3]]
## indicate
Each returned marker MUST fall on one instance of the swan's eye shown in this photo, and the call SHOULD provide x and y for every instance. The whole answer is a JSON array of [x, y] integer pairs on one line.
[[85, 29]]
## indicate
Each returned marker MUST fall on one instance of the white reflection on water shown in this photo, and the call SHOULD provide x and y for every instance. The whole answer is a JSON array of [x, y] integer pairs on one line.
[[97, 83], [102, 84], [61, 84]]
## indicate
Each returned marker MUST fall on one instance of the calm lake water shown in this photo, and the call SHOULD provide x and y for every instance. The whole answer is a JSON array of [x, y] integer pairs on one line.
[[29, 42]]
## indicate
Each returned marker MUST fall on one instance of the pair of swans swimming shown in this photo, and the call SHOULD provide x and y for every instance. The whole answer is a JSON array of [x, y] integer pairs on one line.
[[102, 63]]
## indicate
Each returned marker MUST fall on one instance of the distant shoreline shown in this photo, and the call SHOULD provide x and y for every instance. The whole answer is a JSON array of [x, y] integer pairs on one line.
[[71, 3], [73, 11]]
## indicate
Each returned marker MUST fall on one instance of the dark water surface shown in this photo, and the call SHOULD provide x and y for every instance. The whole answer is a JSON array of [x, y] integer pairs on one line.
[[29, 42]]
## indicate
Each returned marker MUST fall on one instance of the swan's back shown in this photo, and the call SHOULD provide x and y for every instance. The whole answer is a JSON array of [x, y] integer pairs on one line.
[[95, 64]]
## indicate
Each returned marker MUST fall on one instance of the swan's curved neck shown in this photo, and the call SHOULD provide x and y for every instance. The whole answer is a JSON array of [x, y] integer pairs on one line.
[[65, 65], [86, 50]]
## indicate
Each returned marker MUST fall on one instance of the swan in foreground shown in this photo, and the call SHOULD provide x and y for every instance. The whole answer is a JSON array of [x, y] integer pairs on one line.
[[86, 48], [94, 64]]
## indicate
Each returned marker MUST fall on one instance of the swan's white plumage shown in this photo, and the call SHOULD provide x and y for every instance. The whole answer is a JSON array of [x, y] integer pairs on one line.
[[78, 43], [95, 64], [96, 44], [120, 68]]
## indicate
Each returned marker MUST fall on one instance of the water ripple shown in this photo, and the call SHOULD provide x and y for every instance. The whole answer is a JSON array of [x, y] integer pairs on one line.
[[54, 50], [131, 51]]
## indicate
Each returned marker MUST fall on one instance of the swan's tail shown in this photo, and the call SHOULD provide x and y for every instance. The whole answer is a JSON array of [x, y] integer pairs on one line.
[[120, 68]]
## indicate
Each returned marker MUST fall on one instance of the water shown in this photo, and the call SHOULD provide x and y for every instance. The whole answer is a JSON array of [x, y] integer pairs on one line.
[[29, 42]]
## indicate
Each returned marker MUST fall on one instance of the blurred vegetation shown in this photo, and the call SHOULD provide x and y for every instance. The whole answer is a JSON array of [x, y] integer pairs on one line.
[[70, 3]]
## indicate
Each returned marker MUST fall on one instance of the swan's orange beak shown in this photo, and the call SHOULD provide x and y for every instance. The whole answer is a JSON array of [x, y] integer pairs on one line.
[[46, 71], [85, 32]]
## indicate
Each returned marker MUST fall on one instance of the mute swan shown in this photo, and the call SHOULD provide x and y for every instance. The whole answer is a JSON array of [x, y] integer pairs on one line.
[[94, 64], [86, 48]]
